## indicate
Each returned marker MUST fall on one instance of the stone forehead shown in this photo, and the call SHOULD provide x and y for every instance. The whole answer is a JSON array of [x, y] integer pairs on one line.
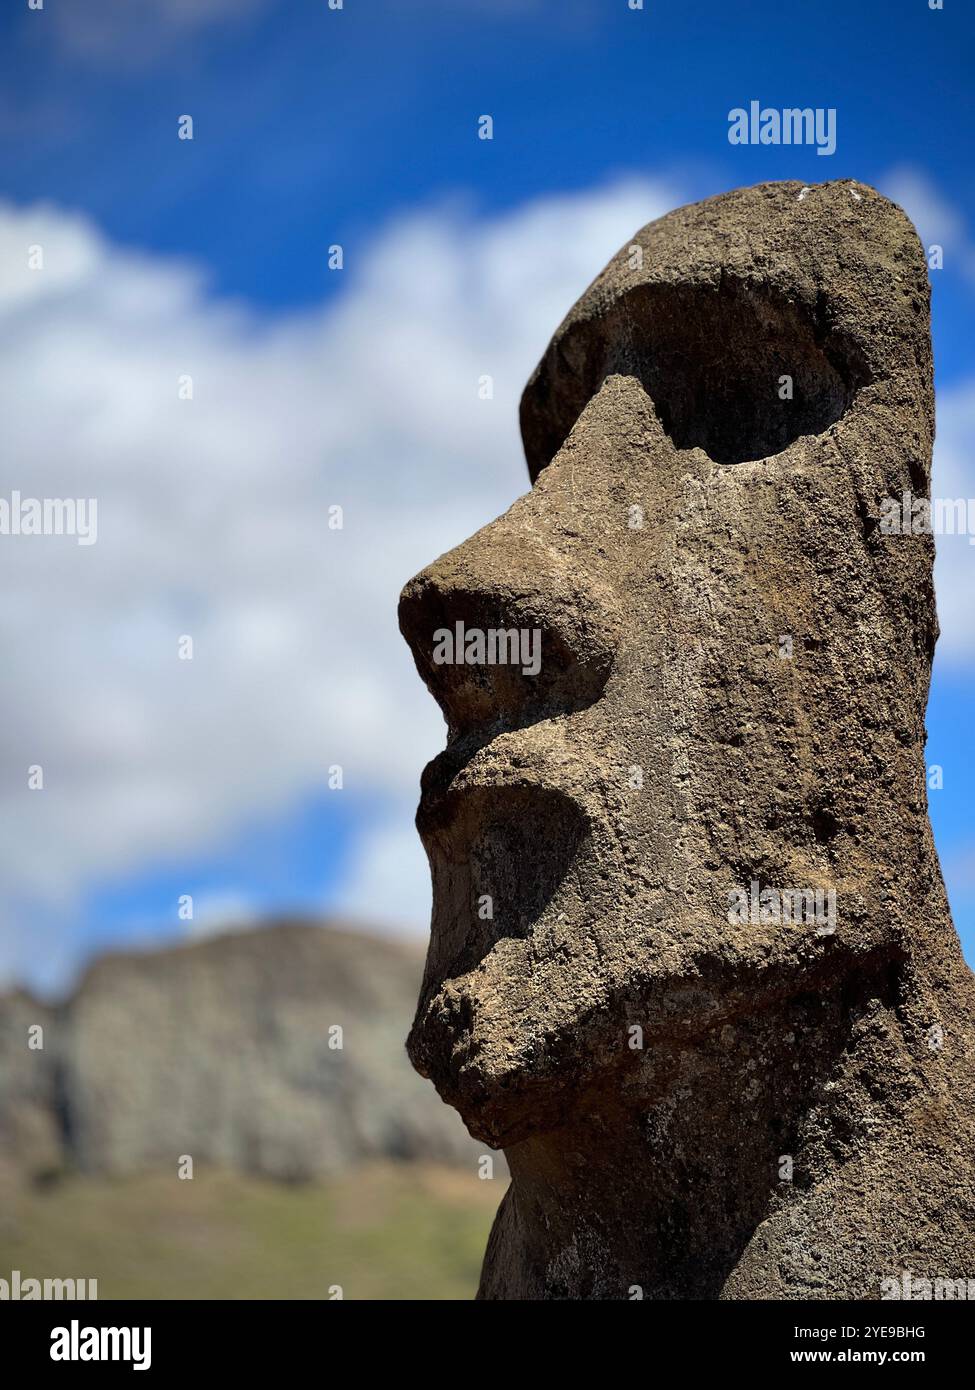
[[839, 253]]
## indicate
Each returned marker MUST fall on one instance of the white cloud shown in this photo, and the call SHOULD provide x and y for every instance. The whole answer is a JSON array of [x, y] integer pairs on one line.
[[388, 882], [212, 521], [937, 220], [218, 912], [954, 477]]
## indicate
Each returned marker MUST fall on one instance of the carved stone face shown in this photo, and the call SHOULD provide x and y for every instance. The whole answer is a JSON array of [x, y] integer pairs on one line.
[[711, 436]]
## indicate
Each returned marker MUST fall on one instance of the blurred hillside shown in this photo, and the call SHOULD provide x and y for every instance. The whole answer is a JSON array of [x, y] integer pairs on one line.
[[226, 1050], [313, 1165]]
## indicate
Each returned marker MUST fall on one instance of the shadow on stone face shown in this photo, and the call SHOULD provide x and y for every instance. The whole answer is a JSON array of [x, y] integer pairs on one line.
[[706, 355]]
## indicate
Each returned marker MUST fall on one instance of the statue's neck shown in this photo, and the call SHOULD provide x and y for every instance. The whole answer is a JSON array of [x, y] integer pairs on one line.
[[658, 1184]]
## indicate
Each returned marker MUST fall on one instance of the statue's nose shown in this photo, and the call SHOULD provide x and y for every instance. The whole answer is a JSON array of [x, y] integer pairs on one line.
[[505, 631]]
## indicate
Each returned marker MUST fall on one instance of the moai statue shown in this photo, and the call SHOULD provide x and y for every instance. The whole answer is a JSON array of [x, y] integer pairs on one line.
[[692, 964]]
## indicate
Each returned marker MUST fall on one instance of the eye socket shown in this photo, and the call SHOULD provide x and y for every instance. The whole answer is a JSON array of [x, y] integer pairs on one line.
[[713, 359]]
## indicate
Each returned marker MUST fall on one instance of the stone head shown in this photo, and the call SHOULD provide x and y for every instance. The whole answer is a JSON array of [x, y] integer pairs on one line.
[[689, 667]]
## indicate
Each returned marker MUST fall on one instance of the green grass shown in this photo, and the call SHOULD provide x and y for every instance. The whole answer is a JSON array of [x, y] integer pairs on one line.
[[391, 1231]]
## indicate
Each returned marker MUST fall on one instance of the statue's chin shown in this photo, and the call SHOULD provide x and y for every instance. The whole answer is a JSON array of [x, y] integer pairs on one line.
[[501, 1097], [516, 1056]]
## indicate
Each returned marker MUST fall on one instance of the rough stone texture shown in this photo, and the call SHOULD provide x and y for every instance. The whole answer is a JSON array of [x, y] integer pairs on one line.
[[220, 1050], [30, 1129], [661, 1166]]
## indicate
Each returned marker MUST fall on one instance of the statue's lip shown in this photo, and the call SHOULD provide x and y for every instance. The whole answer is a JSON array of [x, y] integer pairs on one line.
[[476, 824], [464, 767], [534, 758], [457, 759]]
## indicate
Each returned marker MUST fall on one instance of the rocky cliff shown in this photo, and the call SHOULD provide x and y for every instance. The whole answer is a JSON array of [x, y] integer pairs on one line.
[[277, 1051]]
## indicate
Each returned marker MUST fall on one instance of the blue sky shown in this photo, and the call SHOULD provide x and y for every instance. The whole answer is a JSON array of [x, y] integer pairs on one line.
[[314, 126]]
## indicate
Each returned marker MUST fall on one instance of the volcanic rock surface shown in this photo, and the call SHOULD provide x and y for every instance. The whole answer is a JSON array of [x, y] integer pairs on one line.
[[696, 1099]]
